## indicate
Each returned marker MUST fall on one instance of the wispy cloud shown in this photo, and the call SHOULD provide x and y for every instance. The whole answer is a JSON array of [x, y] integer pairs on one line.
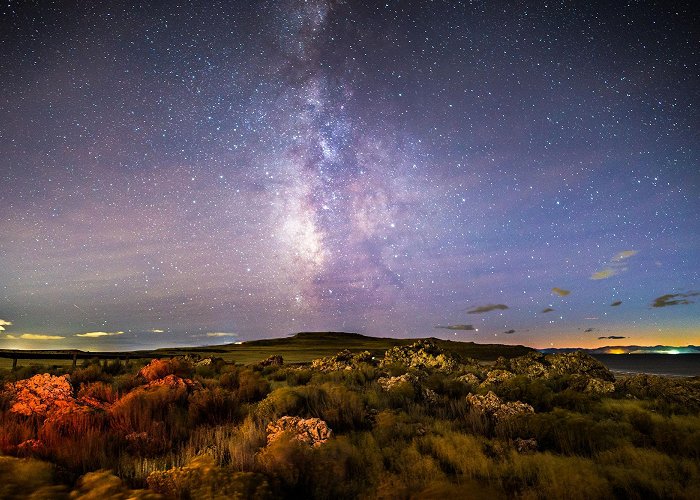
[[98, 334], [220, 334], [509, 332], [547, 310], [560, 291], [616, 303], [674, 299], [487, 308], [615, 266], [457, 327], [604, 274], [35, 336], [4, 323], [613, 337], [625, 254]]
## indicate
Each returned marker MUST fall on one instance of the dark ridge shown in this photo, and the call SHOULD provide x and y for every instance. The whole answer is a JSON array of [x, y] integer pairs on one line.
[[331, 336]]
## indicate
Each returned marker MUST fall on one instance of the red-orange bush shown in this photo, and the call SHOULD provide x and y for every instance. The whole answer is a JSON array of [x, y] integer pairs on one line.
[[161, 368]]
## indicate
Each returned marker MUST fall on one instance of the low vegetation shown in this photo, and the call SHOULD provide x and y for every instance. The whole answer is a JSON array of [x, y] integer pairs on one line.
[[422, 421]]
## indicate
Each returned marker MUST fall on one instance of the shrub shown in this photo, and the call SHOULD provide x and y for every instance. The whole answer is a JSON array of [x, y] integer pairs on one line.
[[161, 368], [28, 478], [212, 406], [98, 391], [201, 478]]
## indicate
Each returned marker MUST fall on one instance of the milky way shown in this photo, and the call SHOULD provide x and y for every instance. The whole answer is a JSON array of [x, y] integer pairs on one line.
[[189, 174]]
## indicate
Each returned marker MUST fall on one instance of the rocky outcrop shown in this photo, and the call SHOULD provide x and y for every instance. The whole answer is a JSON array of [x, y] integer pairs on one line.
[[495, 377], [578, 363], [598, 386], [275, 360], [495, 409], [424, 354], [469, 379], [536, 365], [682, 393], [208, 361], [427, 395], [584, 373], [388, 383], [344, 360], [312, 431]]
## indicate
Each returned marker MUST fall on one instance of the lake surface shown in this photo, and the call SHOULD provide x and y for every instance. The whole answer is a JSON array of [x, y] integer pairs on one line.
[[670, 365]]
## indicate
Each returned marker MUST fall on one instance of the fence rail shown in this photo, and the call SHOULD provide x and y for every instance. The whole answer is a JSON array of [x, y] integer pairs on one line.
[[75, 355]]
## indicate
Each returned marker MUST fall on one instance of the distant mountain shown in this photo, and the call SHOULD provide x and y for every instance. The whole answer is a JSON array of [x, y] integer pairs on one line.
[[629, 349]]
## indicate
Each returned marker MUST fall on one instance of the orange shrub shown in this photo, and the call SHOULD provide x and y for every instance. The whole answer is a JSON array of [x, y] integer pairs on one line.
[[161, 368]]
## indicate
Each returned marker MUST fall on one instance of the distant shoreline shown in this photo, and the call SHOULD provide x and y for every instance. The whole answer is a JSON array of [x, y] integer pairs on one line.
[[666, 365]]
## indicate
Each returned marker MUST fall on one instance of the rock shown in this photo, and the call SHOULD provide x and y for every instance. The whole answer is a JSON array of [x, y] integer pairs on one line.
[[525, 445], [597, 386], [532, 365], [469, 379], [430, 396], [312, 431], [424, 354], [492, 406], [388, 383], [275, 360], [344, 360], [208, 361], [495, 377]]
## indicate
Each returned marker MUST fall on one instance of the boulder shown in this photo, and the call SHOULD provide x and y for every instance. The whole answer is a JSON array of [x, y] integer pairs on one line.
[[312, 431], [494, 408]]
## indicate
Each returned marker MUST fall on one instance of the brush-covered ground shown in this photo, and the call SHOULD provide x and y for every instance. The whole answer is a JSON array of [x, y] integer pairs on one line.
[[407, 419]]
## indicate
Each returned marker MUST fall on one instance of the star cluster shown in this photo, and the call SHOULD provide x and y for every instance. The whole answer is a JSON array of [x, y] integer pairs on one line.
[[204, 172]]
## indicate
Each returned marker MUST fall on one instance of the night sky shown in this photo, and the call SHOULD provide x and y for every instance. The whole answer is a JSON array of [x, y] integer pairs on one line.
[[208, 172]]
